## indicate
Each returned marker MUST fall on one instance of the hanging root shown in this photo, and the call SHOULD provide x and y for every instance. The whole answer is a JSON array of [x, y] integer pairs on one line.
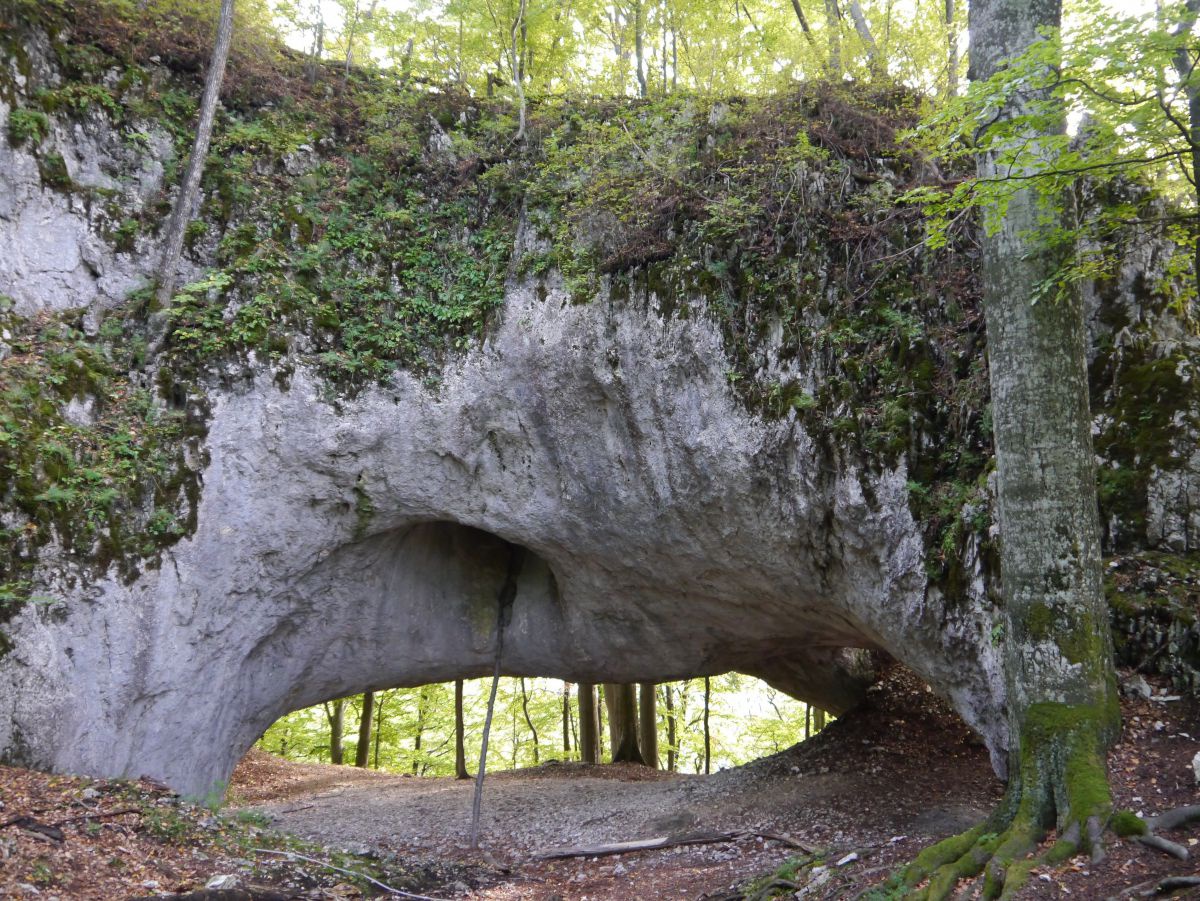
[[1061, 780]]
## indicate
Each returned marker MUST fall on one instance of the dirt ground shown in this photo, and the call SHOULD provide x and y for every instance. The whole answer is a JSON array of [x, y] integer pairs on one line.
[[877, 785], [844, 808]]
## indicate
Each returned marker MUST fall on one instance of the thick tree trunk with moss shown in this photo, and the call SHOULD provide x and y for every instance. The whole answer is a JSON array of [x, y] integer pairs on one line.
[[1062, 702]]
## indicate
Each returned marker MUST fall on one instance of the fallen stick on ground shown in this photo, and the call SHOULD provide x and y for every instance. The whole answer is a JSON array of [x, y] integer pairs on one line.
[[667, 841], [400, 893]]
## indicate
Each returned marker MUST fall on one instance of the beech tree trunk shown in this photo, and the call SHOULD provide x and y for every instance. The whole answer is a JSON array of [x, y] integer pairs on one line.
[[707, 734], [362, 753], [672, 743], [648, 723], [181, 213], [621, 701], [589, 725], [951, 51], [337, 724], [566, 720], [1062, 700], [460, 744], [529, 722], [639, 43]]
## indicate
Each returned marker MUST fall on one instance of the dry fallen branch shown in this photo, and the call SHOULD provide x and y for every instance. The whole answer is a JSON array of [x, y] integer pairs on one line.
[[400, 893], [667, 841]]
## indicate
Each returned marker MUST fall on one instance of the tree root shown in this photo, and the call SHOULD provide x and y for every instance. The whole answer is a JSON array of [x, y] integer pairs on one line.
[[1061, 782], [1146, 829]]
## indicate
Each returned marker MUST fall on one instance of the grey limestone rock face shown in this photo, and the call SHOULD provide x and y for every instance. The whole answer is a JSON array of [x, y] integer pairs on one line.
[[358, 544], [53, 252]]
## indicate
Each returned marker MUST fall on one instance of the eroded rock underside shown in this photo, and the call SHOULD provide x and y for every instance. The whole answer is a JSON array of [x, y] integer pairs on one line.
[[689, 356]]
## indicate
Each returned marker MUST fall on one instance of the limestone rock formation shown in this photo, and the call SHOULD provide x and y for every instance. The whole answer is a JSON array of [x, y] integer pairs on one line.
[[341, 541]]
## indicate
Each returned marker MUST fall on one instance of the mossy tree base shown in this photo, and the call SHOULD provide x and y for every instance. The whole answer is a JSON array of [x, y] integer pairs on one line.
[[1060, 782]]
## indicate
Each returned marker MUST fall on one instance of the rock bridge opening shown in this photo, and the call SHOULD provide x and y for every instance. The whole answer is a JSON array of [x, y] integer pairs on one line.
[[697, 726], [390, 672]]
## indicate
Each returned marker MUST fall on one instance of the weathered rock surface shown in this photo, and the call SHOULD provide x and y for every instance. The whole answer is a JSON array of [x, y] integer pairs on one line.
[[345, 543], [363, 544]]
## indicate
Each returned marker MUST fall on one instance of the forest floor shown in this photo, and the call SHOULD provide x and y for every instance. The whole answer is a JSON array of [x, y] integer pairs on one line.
[[871, 790]]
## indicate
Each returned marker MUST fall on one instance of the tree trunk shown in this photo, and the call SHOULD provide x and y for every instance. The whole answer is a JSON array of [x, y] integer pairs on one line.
[[1184, 68], [181, 214], [818, 720], [672, 743], [589, 724], [419, 738], [378, 727], [639, 42], [807, 722], [460, 744], [337, 724], [529, 722], [504, 602], [1062, 701], [566, 720], [808, 35], [833, 37], [951, 51], [621, 701], [648, 723], [362, 753], [864, 34], [707, 734]]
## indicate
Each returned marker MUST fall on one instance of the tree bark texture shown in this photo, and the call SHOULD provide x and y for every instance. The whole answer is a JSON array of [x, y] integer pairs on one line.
[[707, 733], [1062, 701], [337, 724], [621, 701], [648, 723], [589, 725], [460, 744], [672, 745], [362, 753]]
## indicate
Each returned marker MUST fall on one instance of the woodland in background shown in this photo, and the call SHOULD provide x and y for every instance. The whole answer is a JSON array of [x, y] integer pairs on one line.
[[412, 730]]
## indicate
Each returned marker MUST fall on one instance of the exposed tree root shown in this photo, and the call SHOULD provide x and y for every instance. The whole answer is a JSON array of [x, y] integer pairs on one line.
[[1060, 782], [1145, 831]]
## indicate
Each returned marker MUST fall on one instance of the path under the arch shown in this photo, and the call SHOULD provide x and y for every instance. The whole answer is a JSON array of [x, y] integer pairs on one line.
[[866, 783]]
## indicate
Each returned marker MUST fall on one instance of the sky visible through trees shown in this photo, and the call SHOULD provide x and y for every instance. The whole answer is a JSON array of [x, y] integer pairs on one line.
[[748, 720]]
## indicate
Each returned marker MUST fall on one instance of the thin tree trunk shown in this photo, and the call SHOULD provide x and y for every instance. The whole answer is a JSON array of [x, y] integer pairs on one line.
[[529, 722], [639, 48], [378, 726], [314, 61], [1183, 67], [504, 602], [818, 720], [951, 51], [808, 35], [864, 34], [807, 722], [566, 720], [181, 214], [460, 744], [648, 723], [621, 702], [337, 719], [362, 753], [833, 37], [420, 736], [517, 69], [672, 739], [589, 725], [707, 734]]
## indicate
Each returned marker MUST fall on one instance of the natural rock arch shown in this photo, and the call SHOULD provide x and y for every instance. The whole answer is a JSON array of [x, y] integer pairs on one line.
[[357, 543]]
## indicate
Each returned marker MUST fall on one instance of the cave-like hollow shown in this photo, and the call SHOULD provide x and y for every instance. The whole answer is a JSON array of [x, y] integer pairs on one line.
[[432, 593]]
